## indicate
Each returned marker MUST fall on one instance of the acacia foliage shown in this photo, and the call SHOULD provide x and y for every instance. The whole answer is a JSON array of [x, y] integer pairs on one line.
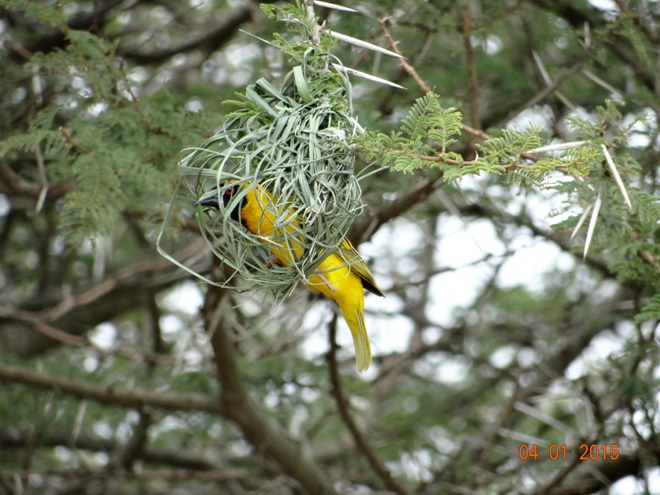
[[110, 386]]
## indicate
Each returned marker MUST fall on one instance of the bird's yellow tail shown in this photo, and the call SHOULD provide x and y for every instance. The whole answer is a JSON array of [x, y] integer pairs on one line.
[[360, 339]]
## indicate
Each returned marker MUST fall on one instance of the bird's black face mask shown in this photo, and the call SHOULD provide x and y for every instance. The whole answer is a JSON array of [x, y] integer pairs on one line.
[[211, 201]]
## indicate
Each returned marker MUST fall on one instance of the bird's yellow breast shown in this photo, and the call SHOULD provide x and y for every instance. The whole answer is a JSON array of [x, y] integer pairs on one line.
[[260, 219]]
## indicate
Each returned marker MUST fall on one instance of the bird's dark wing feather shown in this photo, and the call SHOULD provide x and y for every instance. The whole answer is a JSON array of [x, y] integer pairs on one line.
[[353, 259]]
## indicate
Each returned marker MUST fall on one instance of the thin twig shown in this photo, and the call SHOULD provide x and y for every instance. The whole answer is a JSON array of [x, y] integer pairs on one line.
[[549, 89], [410, 70], [436, 158], [342, 404], [136, 103], [113, 281], [473, 91], [561, 475], [69, 338], [402, 61], [365, 228]]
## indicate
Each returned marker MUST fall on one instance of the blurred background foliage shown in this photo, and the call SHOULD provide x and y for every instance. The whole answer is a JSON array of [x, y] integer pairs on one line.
[[120, 374]]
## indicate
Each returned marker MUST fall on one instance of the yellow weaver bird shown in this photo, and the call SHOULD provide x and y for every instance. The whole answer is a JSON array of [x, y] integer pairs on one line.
[[341, 276]]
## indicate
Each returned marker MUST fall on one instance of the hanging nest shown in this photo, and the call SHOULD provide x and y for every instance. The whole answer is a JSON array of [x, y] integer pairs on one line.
[[294, 144]]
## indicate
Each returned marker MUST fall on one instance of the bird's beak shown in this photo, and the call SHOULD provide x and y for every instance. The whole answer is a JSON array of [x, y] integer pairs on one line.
[[209, 199]]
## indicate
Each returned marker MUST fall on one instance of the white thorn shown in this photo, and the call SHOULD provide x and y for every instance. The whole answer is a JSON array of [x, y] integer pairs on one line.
[[363, 44], [592, 225], [617, 177], [585, 213], [364, 75], [334, 6], [557, 147]]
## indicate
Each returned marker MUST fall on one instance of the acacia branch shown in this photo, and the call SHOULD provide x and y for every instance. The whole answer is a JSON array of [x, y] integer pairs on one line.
[[265, 436], [342, 405], [176, 458], [12, 184], [365, 227], [402, 61], [119, 292], [620, 46], [547, 90], [208, 41], [214, 476], [473, 91], [410, 70], [51, 39], [109, 394]]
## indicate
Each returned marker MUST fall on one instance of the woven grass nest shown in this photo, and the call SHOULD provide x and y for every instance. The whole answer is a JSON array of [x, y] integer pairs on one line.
[[295, 144]]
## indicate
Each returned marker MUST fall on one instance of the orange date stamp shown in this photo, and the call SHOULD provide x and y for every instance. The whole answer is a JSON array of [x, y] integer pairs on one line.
[[556, 452]]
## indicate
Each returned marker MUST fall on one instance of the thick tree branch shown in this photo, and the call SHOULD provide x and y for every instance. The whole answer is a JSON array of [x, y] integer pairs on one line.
[[176, 458], [110, 394], [172, 475], [585, 482], [342, 405], [364, 228], [12, 184], [237, 405], [208, 41], [49, 39], [119, 292]]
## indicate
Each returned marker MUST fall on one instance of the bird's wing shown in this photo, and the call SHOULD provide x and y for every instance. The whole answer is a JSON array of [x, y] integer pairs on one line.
[[353, 259]]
